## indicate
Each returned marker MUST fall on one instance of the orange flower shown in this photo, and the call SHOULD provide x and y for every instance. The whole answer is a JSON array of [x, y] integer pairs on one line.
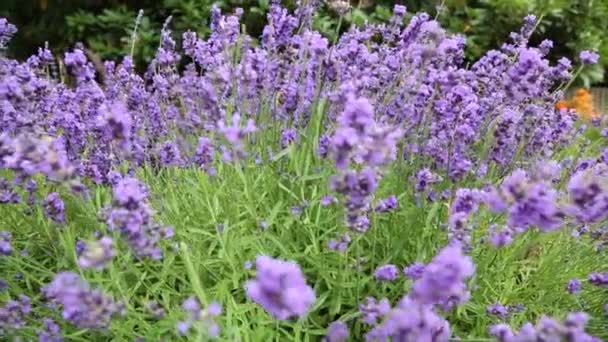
[[563, 104], [581, 103]]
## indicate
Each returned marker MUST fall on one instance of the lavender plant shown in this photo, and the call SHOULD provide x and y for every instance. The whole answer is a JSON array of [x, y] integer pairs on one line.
[[353, 159]]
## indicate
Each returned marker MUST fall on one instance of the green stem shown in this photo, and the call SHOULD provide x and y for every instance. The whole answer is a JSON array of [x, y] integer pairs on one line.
[[134, 33], [574, 77], [357, 257], [338, 30], [192, 274]]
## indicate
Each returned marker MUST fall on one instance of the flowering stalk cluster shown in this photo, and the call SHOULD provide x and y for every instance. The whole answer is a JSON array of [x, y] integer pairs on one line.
[[132, 216], [280, 288], [442, 284], [81, 305], [382, 94]]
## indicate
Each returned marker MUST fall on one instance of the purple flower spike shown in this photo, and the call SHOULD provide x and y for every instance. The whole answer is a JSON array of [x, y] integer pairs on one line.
[[547, 329], [5, 243], [288, 137], [599, 279], [574, 286], [7, 31], [12, 315], [340, 245], [372, 310], [54, 207], [443, 280], [386, 205], [411, 321], [387, 272], [196, 315], [280, 288], [498, 310], [132, 215], [336, 332], [203, 156], [589, 57], [84, 307], [97, 254], [425, 178], [414, 271], [51, 332], [327, 200]]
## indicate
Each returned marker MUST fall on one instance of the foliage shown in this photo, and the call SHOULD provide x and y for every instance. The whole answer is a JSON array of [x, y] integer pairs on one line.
[[133, 207]]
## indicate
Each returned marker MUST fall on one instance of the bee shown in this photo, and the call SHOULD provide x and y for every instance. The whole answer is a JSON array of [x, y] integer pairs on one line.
[[280, 98]]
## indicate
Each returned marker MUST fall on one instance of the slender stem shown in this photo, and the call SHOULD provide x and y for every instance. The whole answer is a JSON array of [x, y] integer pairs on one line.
[[357, 257], [134, 33], [338, 29], [192, 274], [574, 77], [440, 9]]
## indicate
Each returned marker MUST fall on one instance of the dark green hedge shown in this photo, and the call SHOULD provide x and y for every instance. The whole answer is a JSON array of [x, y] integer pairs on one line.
[[104, 26]]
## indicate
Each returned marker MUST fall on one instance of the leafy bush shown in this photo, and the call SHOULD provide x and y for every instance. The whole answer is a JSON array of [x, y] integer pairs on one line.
[[106, 28]]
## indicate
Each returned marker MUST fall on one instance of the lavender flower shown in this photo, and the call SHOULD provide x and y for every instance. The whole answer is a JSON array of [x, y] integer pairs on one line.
[[425, 178], [296, 210], [132, 215], [50, 332], [280, 288], [574, 286], [386, 272], [12, 315], [588, 196], [336, 332], [169, 154], [203, 156], [7, 192], [387, 204], [548, 329], [589, 57], [372, 310], [204, 317], [83, 306], [414, 271], [80, 247], [529, 202], [498, 310], [501, 238], [5, 243], [411, 321], [288, 137], [117, 124], [324, 146], [235, 134], [97, 254], [327, 200], [54, 207], [599, 279], [443, 279], [155, 309], [341, 244], [7, 30], [358, 188]]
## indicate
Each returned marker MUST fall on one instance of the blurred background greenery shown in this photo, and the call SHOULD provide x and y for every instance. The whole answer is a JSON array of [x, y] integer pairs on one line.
[[104, 26]]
